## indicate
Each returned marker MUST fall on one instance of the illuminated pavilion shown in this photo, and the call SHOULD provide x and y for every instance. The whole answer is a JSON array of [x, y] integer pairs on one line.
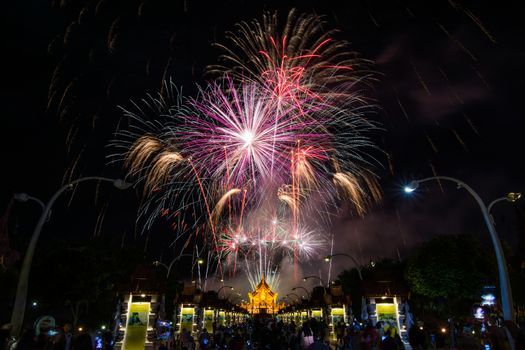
[[263, 300]]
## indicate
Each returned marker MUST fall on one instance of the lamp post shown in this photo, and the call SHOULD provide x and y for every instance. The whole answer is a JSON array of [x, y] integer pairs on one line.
[[168, 267], [328, 258], [298, 297], [24, 197], [321, 282], [510, 197], [17, 316], [219, 290], [237, 296], [306, 290], [504, 282]]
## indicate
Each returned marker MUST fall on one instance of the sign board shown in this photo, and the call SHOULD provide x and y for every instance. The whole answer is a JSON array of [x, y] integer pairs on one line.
[[387, 312], [136, 327], [222, 318], [317, 314], [186, 319], [208, 320]]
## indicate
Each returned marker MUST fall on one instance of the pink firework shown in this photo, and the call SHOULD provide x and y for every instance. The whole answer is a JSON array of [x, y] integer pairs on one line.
[[294, 59], [239, 135]]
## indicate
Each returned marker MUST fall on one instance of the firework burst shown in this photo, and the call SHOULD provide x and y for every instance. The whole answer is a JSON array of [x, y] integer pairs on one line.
[[261, 154], [293, 60]]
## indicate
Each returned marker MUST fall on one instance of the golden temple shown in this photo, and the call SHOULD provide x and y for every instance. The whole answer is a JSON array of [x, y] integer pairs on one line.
[[263, 300]]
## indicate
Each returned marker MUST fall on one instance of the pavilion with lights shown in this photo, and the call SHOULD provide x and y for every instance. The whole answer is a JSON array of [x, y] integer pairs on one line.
[[263, 300]]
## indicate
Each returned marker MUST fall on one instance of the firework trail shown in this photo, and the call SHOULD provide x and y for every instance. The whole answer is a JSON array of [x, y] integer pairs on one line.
[[293, 60], [261, 154]]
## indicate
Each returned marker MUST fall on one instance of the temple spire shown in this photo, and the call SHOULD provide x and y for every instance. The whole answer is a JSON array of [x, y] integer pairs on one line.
[[262, 300]]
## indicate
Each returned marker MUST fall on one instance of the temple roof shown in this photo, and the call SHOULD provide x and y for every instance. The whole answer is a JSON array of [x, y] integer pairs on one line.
[[263, 286]]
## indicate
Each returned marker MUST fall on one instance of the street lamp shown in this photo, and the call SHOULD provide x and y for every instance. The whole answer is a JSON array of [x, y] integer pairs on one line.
[[168, 267], [510, 197], [504, 282], [328, 258], [306, 290], [17, 316], [237, 296], [298, 297], [24, 197], [321, 282], [218, 291]]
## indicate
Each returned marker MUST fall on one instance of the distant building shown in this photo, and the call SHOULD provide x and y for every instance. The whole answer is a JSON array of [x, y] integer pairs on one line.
[[263, 300]]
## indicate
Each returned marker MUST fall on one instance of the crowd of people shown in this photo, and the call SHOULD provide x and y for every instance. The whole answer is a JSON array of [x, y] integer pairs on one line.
[[58, 338], [276, 335], [315, 335], [273, 334]]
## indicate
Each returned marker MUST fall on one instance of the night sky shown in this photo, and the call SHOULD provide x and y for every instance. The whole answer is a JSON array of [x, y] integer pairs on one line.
[[450, 78]]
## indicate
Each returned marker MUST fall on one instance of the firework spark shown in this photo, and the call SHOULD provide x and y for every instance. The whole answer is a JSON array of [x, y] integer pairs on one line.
[[262, 152]]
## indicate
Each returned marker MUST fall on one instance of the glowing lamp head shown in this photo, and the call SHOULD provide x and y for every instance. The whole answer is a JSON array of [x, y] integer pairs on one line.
[[408, 189], [200, 261], [513, 196], [327, 258], [411, 187]]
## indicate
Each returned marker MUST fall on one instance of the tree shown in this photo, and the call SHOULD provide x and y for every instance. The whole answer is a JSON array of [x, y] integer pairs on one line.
[[79, 281], [448, 272]]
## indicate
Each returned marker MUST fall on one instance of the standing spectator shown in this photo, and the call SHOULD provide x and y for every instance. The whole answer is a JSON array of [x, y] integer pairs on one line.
[[394, 334], [204, 339], [186, 340], [416, 338], [340, 333], [307, 337], [370, 338], [64, 338], [318, 344], [68, 336]]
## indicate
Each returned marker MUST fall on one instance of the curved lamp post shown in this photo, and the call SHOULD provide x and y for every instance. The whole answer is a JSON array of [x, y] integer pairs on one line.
[[321, 282], [24, 197], [298, 297], [168, 267], [504, 282], [328, 258], [510, 197], [219, 290], [314, 276], [17, 316], [306, 290]]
